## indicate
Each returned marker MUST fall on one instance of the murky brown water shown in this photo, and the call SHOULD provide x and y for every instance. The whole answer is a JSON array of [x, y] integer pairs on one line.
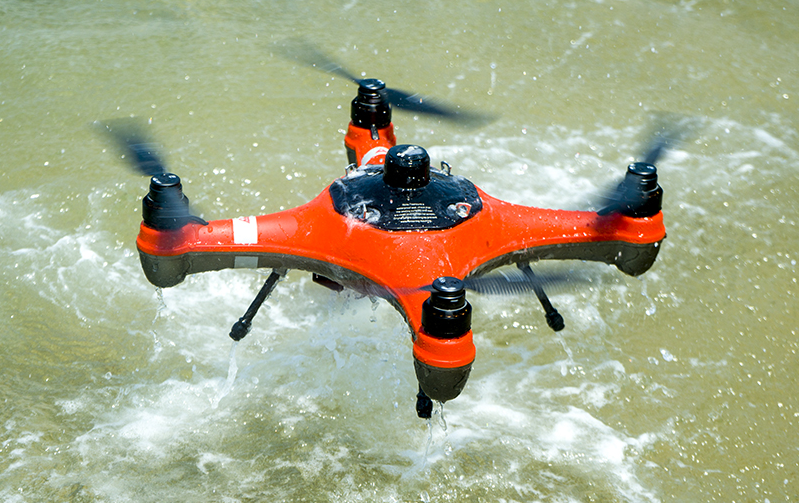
[[679, 386]]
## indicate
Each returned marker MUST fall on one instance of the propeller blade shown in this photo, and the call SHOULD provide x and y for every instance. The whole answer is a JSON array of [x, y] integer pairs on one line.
[[656, 149], [308, 54], [516, 282], [624, 196], [667, 132], [130, 138], [506, 282], [631, 194], [298, 49], [166, 191], [416, 103]]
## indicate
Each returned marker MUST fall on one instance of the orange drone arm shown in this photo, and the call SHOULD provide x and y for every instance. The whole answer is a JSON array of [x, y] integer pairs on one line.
[[364, 148]]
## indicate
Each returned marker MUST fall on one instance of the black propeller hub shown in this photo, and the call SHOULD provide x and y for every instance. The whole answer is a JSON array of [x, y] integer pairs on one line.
[[162, 185], [165, 207], [370, 109], [371, 87], [645, 195], [447, 314], [647, 175]]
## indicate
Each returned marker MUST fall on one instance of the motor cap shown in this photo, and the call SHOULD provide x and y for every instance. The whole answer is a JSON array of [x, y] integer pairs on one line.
[[407, 167], [642, 190], [165, 207], [370, 108]]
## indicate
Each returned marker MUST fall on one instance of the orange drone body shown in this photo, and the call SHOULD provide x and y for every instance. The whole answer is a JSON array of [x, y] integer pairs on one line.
[[314, 233], [397, 264]]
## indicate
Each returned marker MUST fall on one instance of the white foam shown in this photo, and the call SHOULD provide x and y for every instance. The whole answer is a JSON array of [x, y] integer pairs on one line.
[[70, 407], [155, 419], [768, 139], [208, 458]]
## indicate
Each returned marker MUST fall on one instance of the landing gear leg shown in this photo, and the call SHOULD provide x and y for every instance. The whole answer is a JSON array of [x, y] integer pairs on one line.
[[554, 319], [242, 327]]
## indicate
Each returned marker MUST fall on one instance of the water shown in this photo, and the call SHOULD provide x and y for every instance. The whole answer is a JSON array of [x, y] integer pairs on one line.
[[677, 387], [231, 377]]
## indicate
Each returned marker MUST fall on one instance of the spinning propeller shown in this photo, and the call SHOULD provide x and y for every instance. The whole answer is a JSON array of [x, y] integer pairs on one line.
[[503, 282], [512, 282], [523, 281], [309, 55], [638, 194], [165, 206]]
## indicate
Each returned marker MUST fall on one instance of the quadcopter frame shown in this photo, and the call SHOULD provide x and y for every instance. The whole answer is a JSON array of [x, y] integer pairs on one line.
[[389, 227]]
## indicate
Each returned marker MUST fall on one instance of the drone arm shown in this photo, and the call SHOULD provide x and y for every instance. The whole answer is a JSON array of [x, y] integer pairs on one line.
[[275, 240], [368, 146], [522, 233], [312, 237], [315, 238]]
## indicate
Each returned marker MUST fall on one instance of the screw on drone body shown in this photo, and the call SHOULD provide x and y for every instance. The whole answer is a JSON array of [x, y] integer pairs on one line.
[[460, 210]]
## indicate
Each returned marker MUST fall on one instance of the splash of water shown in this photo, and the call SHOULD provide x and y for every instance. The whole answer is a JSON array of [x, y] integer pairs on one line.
[[233, 369], [375, 304], [564, 366], [652, 307], [159, 293], [440, 414], [429, 441], [157, 347]]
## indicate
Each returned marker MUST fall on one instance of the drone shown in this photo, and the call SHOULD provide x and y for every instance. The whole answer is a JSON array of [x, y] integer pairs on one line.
[[396, 228]]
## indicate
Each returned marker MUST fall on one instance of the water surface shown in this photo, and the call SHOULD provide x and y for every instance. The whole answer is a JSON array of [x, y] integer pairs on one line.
[[676, 386]]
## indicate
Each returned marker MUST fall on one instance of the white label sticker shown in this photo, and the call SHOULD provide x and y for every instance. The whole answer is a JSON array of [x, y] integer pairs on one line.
[[245, 231]]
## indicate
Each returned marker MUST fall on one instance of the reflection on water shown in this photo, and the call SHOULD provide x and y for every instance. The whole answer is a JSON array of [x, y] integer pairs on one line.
[[676, 386]]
